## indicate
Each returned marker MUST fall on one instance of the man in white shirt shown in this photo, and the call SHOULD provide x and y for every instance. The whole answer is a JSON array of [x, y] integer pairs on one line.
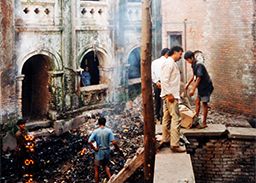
[[155, 73], [170, 93]]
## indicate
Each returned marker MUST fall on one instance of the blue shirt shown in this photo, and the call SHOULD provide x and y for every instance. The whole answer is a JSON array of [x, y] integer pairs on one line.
[[103, 137], [86, 78]]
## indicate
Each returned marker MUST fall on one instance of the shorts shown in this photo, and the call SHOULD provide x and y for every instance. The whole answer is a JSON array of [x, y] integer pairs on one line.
[[204, 96], [104, 162], [205, 99], [102, 157]]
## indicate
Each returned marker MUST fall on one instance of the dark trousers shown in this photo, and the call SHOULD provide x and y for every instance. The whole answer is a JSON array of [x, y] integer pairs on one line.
[[158, 103]]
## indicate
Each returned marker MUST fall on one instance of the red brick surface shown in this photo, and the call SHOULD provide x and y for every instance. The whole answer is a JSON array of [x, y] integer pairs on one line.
[[217, 160], [225, 32], [7, 69]]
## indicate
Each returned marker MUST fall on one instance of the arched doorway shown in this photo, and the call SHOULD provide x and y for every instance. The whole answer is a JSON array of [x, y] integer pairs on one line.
[[35, 92], [134, 62], [90, 63]]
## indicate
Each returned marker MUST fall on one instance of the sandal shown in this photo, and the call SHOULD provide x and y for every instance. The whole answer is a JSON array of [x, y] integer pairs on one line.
[[199, 126], [196, 121]]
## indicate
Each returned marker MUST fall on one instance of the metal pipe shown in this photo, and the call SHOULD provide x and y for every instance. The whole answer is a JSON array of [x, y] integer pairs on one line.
[[185, 47]]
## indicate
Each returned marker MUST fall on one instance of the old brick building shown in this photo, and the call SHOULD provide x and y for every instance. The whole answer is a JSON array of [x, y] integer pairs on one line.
[[225, 31], [47, 44]]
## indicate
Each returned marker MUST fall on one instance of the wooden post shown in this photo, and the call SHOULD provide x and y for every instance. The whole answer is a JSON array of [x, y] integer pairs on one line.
[[147, 97]]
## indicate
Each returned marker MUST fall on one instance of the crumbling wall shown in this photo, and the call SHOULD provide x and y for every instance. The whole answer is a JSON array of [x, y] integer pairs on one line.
[[225, 32], [223, 158], [7, 67]]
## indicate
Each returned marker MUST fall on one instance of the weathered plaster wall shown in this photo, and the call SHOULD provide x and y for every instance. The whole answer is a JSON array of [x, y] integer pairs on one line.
[[64, 31], [7, 66], [225, 32]]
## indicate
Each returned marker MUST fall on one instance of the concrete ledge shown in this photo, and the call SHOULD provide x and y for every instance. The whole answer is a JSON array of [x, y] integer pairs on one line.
[[20, 28], [218, 130], [241, 133], [38, 124], [94, 88], [173, 167], [211, 130], [46, 132], [134, 81]]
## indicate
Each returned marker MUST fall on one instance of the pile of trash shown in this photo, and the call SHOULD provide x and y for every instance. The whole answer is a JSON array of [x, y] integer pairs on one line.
[[68, 157]]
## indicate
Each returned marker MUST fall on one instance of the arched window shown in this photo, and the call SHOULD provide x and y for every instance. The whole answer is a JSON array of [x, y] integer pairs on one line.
[[134, 62], [90, 65]]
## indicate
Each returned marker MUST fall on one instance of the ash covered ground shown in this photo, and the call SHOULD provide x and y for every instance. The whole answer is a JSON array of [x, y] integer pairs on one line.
[[59, 158]]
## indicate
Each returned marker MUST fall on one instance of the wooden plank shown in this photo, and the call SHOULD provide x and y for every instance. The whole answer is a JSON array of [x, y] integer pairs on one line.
[[130, 167]]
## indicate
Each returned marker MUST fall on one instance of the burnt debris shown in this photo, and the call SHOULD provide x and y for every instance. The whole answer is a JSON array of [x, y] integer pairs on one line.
[[68, 157]]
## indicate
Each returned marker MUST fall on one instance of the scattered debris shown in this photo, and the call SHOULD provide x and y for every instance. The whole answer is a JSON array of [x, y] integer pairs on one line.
[[68, 158], [130, 167]]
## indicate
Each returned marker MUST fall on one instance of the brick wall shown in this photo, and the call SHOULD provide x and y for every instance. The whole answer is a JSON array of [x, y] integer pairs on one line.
[[225, 32], [223, 159], [7, 72]]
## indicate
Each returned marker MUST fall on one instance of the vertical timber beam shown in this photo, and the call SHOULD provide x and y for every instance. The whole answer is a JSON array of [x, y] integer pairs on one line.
[[147, 100]]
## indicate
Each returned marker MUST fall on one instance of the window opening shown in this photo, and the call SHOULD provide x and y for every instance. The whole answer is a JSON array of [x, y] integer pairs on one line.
[[90, 65], [134, 61], [175, 39]]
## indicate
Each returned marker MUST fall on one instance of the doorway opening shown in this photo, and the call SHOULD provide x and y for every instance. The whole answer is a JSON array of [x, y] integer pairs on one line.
[[35, 92]]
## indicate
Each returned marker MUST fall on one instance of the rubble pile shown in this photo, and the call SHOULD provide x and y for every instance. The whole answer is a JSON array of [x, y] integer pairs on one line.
[[60, 159], [68, 157], [228, 119], [50, 153]]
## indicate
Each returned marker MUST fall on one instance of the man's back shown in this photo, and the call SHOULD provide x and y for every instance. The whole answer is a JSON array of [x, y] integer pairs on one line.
[[205, 85], [102, 136]]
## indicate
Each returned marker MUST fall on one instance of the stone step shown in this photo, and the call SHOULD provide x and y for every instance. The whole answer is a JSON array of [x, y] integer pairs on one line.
[[43, 132], [173, 167], [36, 125]]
